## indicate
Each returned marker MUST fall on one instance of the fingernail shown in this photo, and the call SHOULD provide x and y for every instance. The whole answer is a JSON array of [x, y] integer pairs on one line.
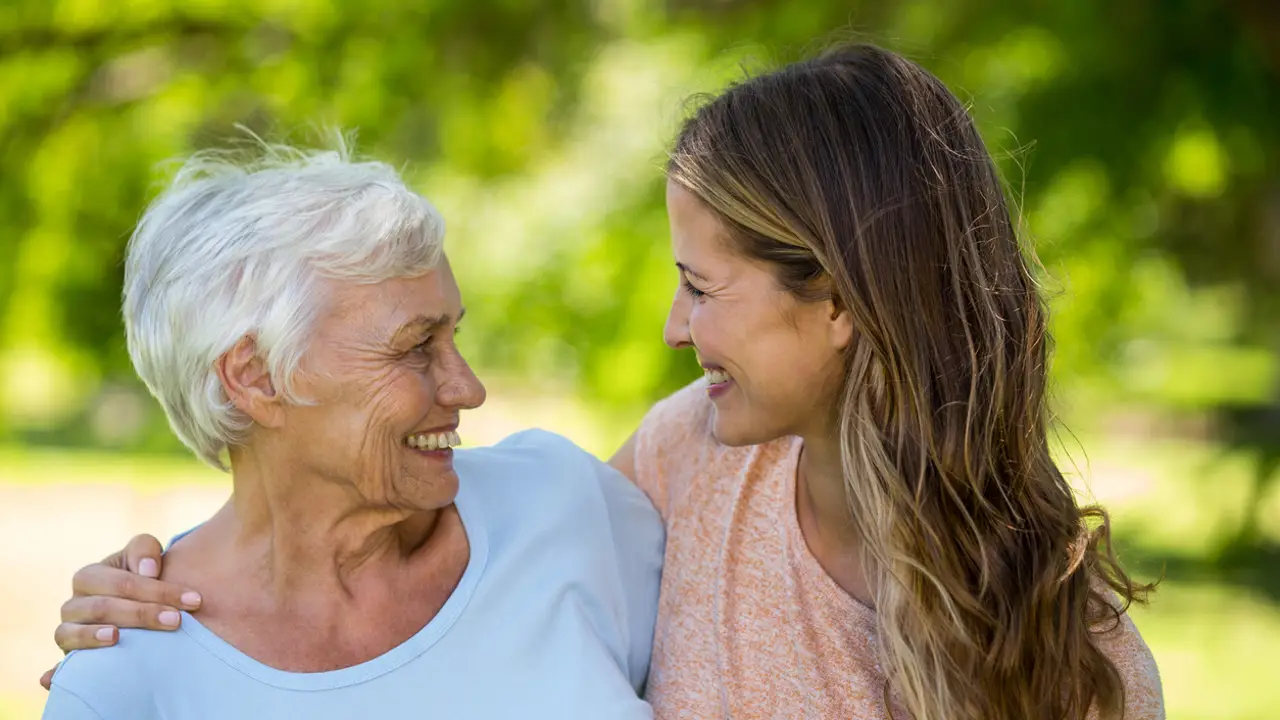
[[103, 634], [191, 598], [169, 617], [147, 568]]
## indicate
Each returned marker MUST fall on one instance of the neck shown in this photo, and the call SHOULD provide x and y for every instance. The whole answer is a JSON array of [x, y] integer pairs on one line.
[[821, 486], [828, 525], [305, 533]]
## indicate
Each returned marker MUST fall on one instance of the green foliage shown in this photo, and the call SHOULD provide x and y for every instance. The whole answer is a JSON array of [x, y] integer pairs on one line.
[[1138, 138]]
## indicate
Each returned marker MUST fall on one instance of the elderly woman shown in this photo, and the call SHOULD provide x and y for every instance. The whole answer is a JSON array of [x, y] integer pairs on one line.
[[296, 319]]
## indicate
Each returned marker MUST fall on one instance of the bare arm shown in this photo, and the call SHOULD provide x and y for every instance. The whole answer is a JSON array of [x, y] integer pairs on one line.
[[121, 591]]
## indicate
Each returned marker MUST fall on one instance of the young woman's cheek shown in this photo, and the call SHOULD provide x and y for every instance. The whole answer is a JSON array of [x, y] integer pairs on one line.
[[707, 327]]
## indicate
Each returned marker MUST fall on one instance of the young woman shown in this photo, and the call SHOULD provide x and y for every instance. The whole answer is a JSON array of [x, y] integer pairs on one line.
[[863, 515]]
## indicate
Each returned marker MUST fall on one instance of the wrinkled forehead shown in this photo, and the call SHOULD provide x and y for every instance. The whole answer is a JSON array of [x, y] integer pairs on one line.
[[384, 309]]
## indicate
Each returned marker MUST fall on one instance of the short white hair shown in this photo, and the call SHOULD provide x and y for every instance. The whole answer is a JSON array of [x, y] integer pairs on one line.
[[236, 248]]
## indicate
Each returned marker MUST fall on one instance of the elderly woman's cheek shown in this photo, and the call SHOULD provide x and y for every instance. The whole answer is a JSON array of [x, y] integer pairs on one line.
[[379, 436]]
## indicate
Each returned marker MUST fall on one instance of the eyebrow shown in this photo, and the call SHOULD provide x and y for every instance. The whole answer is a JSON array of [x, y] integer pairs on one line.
[[690, 271], [429, 322]]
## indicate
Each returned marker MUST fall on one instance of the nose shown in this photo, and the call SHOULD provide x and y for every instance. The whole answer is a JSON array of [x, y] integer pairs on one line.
[[676, 331], [460, 388]]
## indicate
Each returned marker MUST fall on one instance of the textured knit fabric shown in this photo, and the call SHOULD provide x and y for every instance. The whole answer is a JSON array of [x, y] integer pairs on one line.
[[749, 624]]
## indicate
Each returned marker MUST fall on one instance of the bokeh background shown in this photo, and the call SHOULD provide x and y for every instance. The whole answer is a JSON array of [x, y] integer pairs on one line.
[[1139, 138]]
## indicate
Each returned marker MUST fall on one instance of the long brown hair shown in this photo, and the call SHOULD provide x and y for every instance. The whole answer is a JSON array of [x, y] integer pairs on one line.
[[861, 178]]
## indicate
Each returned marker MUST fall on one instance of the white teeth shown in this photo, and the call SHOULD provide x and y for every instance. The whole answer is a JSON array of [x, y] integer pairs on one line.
[[434, 441], [715, 377]]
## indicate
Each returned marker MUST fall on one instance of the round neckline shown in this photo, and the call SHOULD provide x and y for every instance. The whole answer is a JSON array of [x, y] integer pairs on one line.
[[807, 561], [418, 643]]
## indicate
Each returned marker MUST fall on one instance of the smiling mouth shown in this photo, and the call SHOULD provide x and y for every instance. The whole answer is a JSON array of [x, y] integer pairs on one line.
[[716, 376], [432, 441]]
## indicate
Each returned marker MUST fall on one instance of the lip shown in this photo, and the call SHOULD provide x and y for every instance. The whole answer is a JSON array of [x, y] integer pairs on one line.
[[717, 389], [439, 455], [445, 454], [438, 429]]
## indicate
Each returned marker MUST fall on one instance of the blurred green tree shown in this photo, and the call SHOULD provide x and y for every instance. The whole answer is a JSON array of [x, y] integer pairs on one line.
[[1139, 138]]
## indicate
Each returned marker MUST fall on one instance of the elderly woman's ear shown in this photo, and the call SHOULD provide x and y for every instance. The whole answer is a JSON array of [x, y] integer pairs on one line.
[[247, 382]]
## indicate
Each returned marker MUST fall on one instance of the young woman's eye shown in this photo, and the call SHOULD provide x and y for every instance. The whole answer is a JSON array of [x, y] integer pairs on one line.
[[689, 288]]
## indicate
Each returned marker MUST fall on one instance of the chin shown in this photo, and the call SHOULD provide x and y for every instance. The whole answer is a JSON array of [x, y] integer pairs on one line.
[[433, 494], [737, 432]]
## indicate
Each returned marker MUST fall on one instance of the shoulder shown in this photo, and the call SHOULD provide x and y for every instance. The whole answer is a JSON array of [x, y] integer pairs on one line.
[[117, 681], [532, 459], [537, 469], [1121, 642], [569, 521], [672, 444], [676, 452], [522, 448], [544, 444], [63, 704], [684, 413]]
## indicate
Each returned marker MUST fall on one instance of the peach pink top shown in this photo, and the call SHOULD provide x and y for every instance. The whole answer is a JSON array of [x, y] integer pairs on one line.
[[749, 624]]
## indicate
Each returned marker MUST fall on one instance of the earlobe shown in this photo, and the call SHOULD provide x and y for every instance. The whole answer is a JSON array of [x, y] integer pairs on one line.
[[247, 382]]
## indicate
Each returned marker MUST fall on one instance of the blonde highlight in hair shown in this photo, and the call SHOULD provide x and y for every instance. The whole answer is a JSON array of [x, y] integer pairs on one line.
[[859, 177]]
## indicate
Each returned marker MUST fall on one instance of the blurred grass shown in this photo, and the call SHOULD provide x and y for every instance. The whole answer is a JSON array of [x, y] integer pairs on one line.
[[1214, 625], [38, 466], [1214, 622]]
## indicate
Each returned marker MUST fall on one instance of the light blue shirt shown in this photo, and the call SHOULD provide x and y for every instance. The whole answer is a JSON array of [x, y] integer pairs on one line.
[[553, 618]]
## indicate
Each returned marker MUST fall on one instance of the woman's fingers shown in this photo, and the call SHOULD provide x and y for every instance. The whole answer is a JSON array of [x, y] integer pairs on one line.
[[89, 622], [102, 580], [142, 555], [74, 636]]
